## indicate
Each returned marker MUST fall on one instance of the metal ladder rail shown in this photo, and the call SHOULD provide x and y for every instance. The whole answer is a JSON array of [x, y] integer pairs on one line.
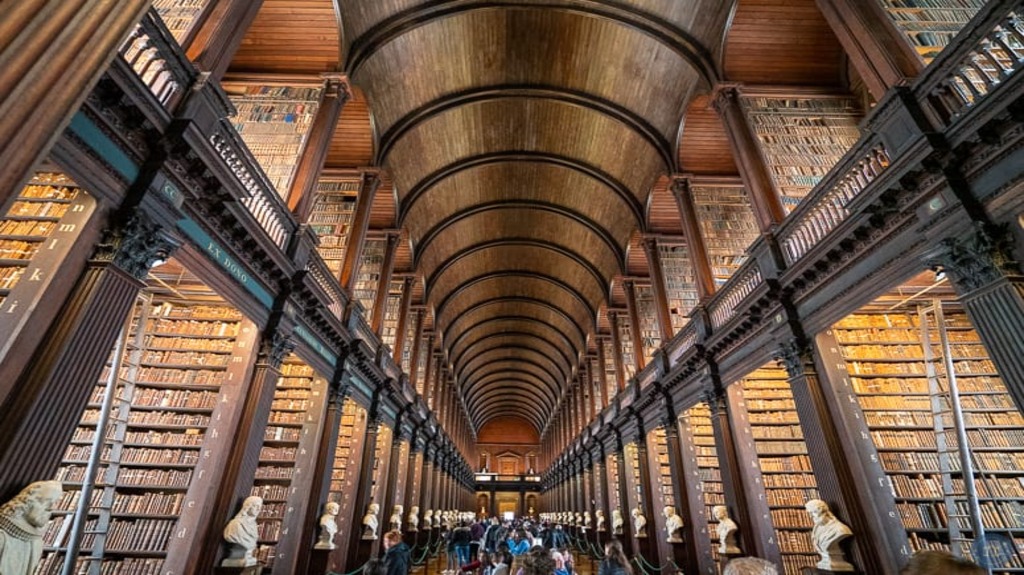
[[115, 431], [952, 450]]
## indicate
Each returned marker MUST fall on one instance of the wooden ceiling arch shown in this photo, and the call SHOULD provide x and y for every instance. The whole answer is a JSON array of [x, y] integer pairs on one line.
[[498, 383], [569, 330], [524, 138], [520, 325]]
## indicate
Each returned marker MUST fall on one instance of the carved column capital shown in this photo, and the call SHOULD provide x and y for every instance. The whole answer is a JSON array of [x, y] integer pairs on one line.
[[794, 355], [978, 259], [135, 244], [680, 184], [274, 347]]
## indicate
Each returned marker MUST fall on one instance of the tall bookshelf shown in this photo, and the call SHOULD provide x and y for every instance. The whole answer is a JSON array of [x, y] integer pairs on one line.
[[389, 329], [345, 475], [727, 221], [421, 367], [36, 234], [802, 138], [615, 488], [294, 419], [177, 364], [785, 465], [368, 280], [930, 25], [885, 356], [381, 461], [180, 16], [273, 121], [680, 282], [661, 470], [626, 347], [331, 219], [611, 380], [698, 421], [650, 334]]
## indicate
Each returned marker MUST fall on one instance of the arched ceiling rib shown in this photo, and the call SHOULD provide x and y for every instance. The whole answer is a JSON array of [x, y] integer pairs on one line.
[[524, 138]]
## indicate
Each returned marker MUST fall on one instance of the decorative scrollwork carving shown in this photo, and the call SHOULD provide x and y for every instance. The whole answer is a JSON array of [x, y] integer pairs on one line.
[[135, 244], [978, 259]]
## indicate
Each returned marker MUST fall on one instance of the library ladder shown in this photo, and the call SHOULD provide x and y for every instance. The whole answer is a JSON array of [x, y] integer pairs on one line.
[[961, 499], [111, 438]]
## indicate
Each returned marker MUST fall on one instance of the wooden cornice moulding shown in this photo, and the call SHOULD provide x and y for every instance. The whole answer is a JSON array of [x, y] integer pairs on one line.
[[277, 79]]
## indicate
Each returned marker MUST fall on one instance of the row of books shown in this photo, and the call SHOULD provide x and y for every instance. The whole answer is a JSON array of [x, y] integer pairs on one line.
[[18, 249], [193, 328]]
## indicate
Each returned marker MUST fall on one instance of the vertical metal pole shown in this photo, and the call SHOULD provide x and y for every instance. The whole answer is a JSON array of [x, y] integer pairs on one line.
[[89, 481], [966, 461]]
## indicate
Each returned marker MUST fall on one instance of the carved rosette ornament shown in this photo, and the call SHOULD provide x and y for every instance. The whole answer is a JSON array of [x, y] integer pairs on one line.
[[979, 259], [135, 244]]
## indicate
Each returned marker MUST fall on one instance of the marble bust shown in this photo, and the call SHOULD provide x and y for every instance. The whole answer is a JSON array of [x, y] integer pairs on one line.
[[396, 517], [726, 530], [428, 519], [639, 524], [413, 520], [617, 521], [599, 518], [370, 522], [22, 523], [242, 534], [328, 526], [828, 532], [586, 520], [673, 525]]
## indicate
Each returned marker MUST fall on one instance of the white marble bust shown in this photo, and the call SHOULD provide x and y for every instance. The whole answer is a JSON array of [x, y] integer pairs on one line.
[[726, 531], [828, 532], [673, 525], [370, 522], [328, 526], [22, 523], [396, 517], [586, 520], [599, 518], [617, 521], [639, 524], [428, 519], [413, 520], [242, 534]]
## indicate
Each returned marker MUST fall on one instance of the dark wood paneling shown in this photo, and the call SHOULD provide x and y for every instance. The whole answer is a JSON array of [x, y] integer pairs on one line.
[[291, 36]]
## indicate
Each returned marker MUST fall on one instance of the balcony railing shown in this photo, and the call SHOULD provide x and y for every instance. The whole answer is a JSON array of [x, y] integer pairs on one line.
[[152, 52], [722, 307]]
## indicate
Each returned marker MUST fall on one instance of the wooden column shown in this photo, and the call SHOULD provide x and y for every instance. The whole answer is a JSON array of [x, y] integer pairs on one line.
[[747, 151], [321, 481], [40, 410], [731, 464], [987, 278], [648, 546], [387, 268], [214, 45], [634, 325], [695, 246], [620, 374], [693, 491], [403, 327], [746, 481], [601, 498], [427, 480], [244, 456], [876, 48], [833, 473], [51, 55], [394, 491], [302, 195], [658, 284], [684, 553], [623, 496], [360, 224], [414, 490], [359, 550]]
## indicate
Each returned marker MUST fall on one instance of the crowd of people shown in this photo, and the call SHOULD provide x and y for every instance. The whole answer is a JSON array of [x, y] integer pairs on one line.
[[522, 547]]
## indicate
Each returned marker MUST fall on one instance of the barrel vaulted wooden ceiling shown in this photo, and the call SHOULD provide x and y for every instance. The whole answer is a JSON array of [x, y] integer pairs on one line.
[[526, 145]]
